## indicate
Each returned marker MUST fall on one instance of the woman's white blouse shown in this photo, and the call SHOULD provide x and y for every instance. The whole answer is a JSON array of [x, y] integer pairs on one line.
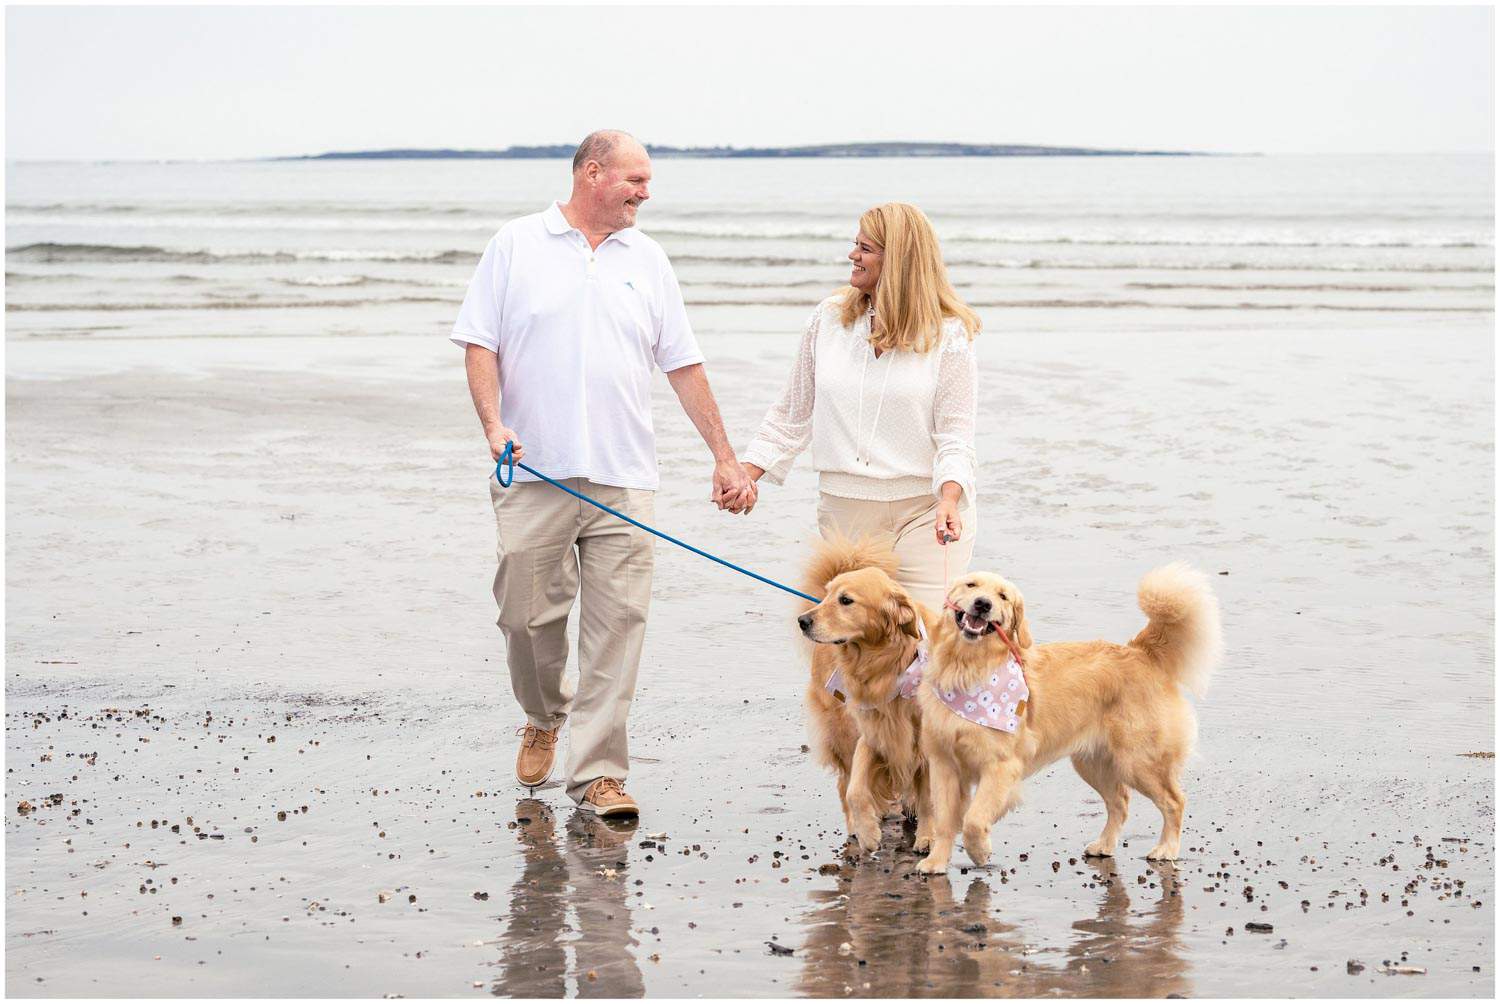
[[881, 429]]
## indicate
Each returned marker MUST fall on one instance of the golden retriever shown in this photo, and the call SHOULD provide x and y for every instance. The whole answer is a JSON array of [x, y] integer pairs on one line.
[[866, 628], [1118, 710]]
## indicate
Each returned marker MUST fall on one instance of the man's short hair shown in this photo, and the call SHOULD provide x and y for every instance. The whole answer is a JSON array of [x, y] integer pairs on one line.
[[597, 145]]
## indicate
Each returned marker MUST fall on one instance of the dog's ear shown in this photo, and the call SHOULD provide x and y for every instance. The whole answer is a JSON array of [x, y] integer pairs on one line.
[[902, 614], [1023, 628]]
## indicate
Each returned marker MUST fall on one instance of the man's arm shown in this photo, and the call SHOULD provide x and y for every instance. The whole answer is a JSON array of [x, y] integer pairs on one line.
[[483, 367], [733, 490]]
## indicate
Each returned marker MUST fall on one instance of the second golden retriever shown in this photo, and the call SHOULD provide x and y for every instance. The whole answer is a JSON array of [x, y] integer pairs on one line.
[[868, 634], [1117, 710]]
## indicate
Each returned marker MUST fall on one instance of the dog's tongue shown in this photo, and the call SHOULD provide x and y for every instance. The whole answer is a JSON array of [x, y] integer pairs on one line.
[[974, 624]]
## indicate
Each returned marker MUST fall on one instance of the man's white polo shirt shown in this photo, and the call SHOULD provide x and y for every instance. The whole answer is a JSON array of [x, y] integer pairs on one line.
[[578, 332]]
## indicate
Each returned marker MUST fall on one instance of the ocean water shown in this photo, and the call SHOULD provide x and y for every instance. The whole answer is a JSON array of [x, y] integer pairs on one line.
[[371, 248]]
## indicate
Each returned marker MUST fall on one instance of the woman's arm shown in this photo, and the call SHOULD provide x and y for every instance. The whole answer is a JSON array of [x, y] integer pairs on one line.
[[954, 408], [787, 427]]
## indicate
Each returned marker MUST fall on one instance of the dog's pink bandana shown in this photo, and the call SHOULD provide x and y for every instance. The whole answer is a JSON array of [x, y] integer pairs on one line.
[[906, 684], [996, 702]]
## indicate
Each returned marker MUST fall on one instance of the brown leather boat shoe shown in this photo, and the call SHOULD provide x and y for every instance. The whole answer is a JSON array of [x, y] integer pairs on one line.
[[537, 754], [606, 797]]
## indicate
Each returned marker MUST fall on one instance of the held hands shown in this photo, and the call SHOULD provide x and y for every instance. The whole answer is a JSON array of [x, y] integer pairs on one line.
[[753, 474], [733, 488]]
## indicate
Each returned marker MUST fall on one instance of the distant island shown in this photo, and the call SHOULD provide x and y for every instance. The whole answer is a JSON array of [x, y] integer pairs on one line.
[[565, 152]]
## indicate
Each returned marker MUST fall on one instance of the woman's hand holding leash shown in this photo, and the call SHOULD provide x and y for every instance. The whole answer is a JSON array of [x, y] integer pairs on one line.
[[948, 525]]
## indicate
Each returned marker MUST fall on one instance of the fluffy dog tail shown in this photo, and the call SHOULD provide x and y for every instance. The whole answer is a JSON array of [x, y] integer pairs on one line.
[[1182, 631], [837, 555]]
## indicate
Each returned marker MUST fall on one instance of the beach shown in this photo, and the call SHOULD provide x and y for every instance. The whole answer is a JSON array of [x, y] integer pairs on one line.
[[256, 703]]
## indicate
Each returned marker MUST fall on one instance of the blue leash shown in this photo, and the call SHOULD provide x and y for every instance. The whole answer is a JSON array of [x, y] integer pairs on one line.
[[508, 461]]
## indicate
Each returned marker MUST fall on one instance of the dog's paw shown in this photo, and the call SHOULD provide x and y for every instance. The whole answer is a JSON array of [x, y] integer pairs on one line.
[[1098, 849], [929, 866], [1161, 852], [922, 844], [868, 839], [977, 846]]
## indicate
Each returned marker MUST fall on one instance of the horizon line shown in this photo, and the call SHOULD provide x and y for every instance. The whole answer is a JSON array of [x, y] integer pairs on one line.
[[274, 158]]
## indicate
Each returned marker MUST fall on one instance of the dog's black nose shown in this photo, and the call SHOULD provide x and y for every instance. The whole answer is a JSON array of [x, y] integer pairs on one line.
[[982, 607], [805, 621]]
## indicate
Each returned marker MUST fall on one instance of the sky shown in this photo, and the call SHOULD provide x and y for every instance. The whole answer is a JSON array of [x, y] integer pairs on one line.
[[222, 83]]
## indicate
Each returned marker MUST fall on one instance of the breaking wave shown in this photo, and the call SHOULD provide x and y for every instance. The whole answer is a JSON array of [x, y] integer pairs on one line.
[[105, 253]]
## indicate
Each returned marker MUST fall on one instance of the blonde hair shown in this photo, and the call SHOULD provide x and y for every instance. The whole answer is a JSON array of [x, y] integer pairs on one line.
[[914, 296]]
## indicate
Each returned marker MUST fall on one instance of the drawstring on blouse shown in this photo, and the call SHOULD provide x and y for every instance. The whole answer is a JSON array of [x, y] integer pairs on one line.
[[864, 455]]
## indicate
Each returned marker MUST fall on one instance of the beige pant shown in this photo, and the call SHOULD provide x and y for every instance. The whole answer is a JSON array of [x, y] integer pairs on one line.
[[552, 548], [912, 523]]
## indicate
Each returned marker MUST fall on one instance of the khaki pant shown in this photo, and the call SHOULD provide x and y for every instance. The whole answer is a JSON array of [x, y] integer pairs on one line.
[[911, 522], [553, 549]]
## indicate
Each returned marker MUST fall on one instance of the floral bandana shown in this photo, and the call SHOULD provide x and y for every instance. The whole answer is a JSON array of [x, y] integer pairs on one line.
[[906, 684], [996, 702]]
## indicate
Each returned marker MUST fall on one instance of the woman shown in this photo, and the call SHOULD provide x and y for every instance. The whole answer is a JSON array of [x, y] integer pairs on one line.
[[884, 387]]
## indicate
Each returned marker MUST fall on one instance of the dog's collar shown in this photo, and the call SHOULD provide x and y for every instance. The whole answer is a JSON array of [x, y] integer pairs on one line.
[[997, 701], [907, 683], [1015, 653]]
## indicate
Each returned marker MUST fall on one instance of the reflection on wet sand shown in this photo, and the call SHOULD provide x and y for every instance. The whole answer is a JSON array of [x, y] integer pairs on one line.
[[1115, 957], [909, 937], [531, 947], [586, 872]]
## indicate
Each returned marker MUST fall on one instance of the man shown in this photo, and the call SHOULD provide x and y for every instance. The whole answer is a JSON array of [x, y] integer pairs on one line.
[[567, 316]]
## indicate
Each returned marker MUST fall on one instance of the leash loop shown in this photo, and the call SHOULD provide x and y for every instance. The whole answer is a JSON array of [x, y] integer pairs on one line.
[[507, 459]]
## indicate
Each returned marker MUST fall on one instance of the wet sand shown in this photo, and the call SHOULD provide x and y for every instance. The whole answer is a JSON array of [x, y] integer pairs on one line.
[[250, 577]]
